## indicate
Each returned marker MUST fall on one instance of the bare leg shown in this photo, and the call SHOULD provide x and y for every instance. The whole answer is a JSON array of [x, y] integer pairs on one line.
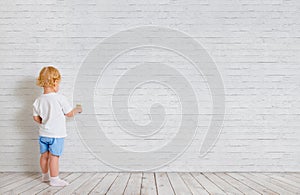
[[54, 171], [44, 162], [53, 165]]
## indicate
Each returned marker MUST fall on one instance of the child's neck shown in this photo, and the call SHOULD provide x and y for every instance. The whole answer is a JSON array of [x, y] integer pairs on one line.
[[49, 90]]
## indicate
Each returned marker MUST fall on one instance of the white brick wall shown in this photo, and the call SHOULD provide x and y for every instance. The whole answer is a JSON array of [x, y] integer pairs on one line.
[[254, 43]]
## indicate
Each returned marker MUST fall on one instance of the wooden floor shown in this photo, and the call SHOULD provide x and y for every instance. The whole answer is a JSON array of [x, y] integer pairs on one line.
[[154, 183]]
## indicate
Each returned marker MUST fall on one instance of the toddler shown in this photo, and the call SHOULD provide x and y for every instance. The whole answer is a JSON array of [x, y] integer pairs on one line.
[[49, 111]]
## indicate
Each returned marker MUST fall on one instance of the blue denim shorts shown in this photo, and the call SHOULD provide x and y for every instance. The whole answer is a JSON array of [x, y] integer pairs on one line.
[[54, 145]]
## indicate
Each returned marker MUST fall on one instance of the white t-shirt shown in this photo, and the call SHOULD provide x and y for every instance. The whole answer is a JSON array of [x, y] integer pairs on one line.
[[52, 108]]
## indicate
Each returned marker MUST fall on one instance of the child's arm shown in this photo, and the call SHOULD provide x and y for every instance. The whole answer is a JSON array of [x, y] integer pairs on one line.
[[37, 119], [75, 111]]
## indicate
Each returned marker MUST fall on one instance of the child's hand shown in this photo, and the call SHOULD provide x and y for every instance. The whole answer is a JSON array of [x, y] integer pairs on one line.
[[78, 108], [37, 119], [75, 111]]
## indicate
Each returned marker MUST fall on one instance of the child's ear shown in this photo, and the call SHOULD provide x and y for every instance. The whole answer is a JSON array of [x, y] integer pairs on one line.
[[56, 83]]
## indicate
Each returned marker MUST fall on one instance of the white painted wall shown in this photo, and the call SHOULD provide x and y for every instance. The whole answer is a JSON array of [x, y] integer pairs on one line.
[[254, 43]]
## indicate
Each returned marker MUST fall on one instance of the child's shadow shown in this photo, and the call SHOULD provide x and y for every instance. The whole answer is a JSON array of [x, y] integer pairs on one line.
[[28, 148]]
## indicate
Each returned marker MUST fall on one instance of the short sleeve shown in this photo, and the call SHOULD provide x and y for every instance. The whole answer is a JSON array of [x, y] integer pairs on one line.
[[35, 109], [66, 107]]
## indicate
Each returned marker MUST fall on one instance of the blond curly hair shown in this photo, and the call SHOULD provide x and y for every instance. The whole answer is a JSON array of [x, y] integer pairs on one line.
[[48, 76]]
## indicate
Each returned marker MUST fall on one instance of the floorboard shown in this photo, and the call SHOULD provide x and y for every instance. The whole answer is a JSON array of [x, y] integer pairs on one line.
[[222, 184], [119, 185], [258, 178], [257, 186], [239, 185], [211, 187], [105, 184], [40, 186], [73, 185], [134, 184], [154, 183], [192, 184], [90, 184], [163, 184], [178, 184], [149, 184]]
